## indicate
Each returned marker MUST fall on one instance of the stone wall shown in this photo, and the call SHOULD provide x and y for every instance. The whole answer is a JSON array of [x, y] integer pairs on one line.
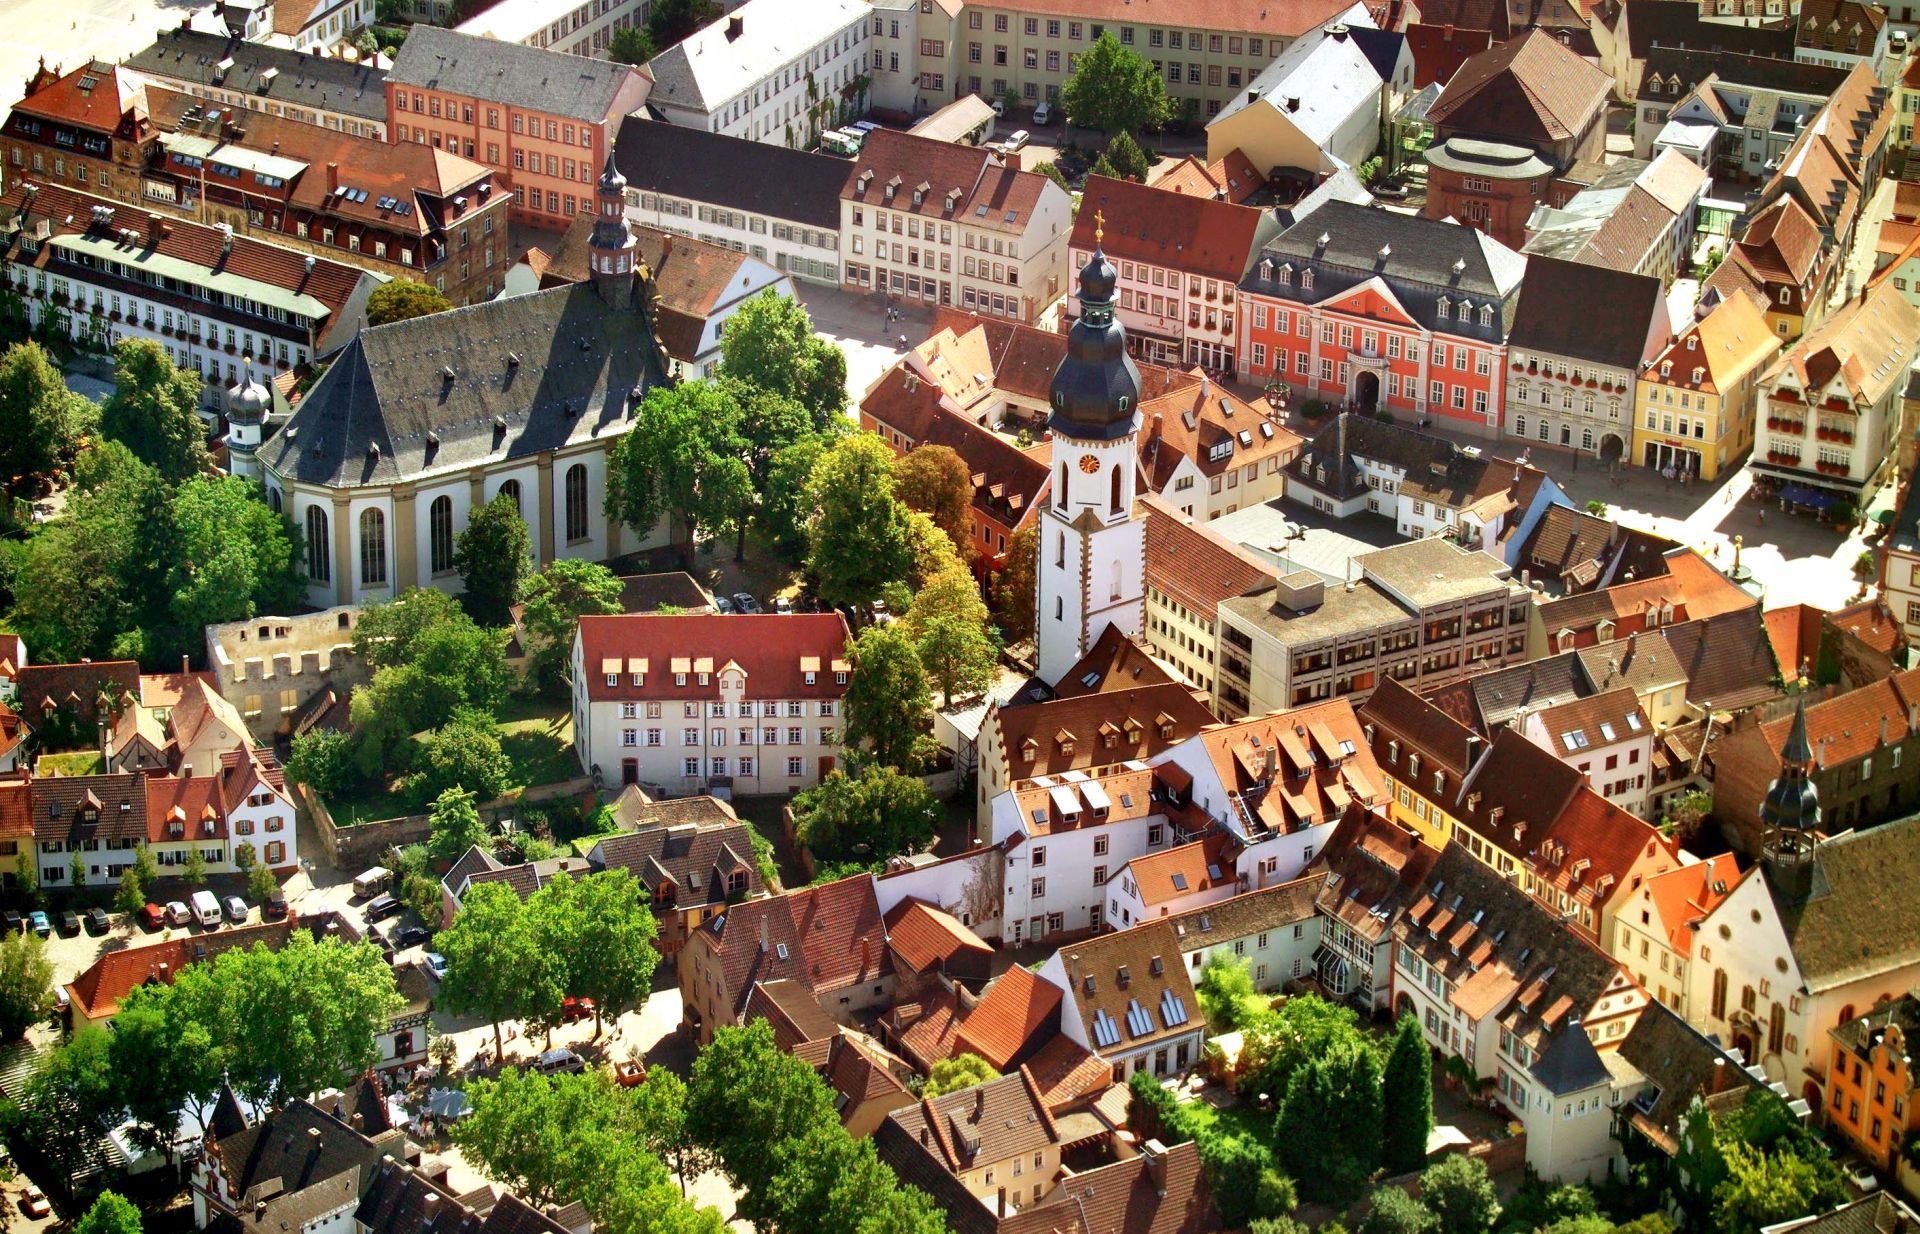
[[359, 845]]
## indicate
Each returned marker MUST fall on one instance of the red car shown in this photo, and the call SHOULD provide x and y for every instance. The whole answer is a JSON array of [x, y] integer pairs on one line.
[[153, 917], [576, 1009]]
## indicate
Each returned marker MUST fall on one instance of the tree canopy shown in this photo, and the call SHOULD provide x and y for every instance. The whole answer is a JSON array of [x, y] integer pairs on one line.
[[949, 626], [496, 966], [554, 600], [770, 345], [401, 299], [494, 554], [630, 45], [1328, 1131], [684, 462], [1406, 1091], [867, 815], [937, 482], [39, 418], [154, 411], [456, 825], [1115, 89], [958, 1072], [111, 1213], [26, 983], [602, 932], [859, 541], [887, 706]]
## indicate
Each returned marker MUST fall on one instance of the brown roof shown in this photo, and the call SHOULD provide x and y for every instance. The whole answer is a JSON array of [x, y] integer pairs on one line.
[[861, 1070], [1232, 177], [1728, 660], [104, 985], [1184, 869], [1195, 235], [790, 1007], [1440, 50], [1589, 721], [1528, 89], [1867, 345], [1066, 733], [76, 687], [1114, 662], [689, 275], [1195, 566], [938, 172], [974, 1127], [1858, 927], [1369, 872], [1294, 769], [1250, 912], [927, 939], [1847, 726], [1844, 26], [696, 860], [1008, 483], [1570, 542], [1113, 974], [1018, 1013], [1066, 1073], [826, 937], [1396, 720], [1691, 585], [1783, 243], [1871, 623], [1192, 420], [930, 1025], [93, 96], [1794, 632]]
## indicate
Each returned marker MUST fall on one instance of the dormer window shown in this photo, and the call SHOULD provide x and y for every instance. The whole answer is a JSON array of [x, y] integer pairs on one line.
[[1698, 373], [679, 679], [1486, 314], [704, 679], [809, 678], [1306, 280], [1666, 368], [613, 679], [1445, 309], [1413, 766], [1285, 275]]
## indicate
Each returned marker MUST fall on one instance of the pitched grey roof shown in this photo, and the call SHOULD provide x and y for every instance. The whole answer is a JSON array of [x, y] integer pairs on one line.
[[386, 411], [1504, 693], [752, 176], [1847, 929], [1680, 1063], [193, 58], [1419, 266], [509, 73], [1556, 312]]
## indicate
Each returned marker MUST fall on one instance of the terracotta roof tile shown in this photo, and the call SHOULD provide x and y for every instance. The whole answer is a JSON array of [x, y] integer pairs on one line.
[[930, 1036], [1112, 973], [101, 988], [1369, 872], [1017, 1014], [1213, 239], [1031, 734], [769, 647], [1114, 662], [1294, 769], [1440, 50], [927, 939], [985, 194], [1871, 623], [1066, 1073], [1193, 565], [1529, 88], [1794, 632], [1184, 869], [1847, 726], [1685, 895]]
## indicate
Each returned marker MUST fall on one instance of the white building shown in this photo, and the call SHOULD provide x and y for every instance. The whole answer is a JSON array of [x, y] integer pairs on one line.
[[771, 71], [777, 205], [582, 30], [1323, 104], [1127, 997], [1607, 738], [1077, 830], [1274, 932], [691, 704], [1177, 880]]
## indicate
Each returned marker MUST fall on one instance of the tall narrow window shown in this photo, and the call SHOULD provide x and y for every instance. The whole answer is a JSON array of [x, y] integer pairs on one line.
[[511, 488], [577, 502], [440, 534], [319, 546], [1113, 578], [1060, 498], [373, 548], [1114, 500]]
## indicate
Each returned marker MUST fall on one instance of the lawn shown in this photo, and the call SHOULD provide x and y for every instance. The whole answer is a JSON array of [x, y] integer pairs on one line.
[[535, 734], [1240, 1118], [75, 763]]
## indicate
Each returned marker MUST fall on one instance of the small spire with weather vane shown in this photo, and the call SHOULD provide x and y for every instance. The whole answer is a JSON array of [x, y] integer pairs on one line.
[[1099, 227]]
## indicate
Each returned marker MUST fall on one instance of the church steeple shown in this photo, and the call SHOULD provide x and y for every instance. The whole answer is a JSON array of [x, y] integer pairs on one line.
[[1096, 390], [1790, 814], [611, 246]]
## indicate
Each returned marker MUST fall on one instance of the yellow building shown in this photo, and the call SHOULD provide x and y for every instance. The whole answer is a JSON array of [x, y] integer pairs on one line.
[[1908, 96], [1694, 406]]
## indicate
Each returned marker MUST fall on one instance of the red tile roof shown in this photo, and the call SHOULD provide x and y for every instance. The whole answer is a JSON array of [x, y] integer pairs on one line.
[[937, 173], [1528, 89], [93, 96], [1184, 870], [1193, 565], [1018, 1012], [775, 651], [102, 987], [1684, 896], [1114, 662], [1794, 632], [16, 809], [1066, 1073], [1871, 623], [927, 939], [1848, 726], [1194, 235], [1314, 760], [1439, 51], [930, 1027], [1067, 733], [79, 687]]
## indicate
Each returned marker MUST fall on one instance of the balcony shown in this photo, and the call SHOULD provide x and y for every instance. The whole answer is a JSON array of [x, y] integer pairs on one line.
[[1786, 424]]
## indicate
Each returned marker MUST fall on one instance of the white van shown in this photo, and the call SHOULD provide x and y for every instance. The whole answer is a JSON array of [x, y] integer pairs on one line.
[[371, 882], [206, 910], [1018, 141]]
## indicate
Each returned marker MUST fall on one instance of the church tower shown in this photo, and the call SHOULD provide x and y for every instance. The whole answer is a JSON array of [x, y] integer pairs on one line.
[[1790, 816], [1091, 571], [611, 248]]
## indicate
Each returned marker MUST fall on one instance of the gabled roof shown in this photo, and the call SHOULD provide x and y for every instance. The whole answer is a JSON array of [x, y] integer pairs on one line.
[[1211, 425], [1658, 24], [1065, 733], [698, 860], [537, 79], [1368, 873], [76, 688], [1008, 483], [776, 652], [722, 60], [1194, 566], [1250, 912], [1294, 769], [927, 939], [1501, 695], [1603, 719], [1184, 869], [1691, 585], [1844, 26], [1317, 85], [1129, 988], [825, 937], [985, 193], [1685, 895], [1848, 726], [1530, 88], [754, 177], [1231, 177], [1728, 659], [1114, 662], [1439, 50], [1847, 928], [790, 1007], [1555, 314], [1867, 345], [1194, 235], [1018, 1014], [971, 1128], [101, 987]]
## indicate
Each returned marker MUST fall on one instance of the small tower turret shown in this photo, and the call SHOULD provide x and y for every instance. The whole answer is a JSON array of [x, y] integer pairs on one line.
[[611, 246], [1790, 815]]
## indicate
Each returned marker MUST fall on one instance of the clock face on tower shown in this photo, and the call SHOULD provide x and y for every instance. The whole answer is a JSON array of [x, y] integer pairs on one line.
[[1089, 464]]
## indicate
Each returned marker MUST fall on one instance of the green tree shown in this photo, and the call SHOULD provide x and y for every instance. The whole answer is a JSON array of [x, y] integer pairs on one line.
[[1328, 1131], [1406, 1093], [39, 417], [193, 871], [464, 753], [684, 462], [145, 868], [660, 1117], [26, 983], [555, 599], [111, 1214], [601, 931], [1684, 815], [393, 633], [165, 1060], [155, 411], [1280, 1042], [494, 555], [1015, 586], [1459, 1194], [937, 482], [1241, 1173], [299, 1019], [71, 1100], [786, 502], [429, 659], [233, 558], [1225, 990], [1115, 89], [456, 825], [673, 20], [77, 871], [630, 46], [961, 1071], [748, 1097], [859, 534], [401, 299], [496, 968], [887, 706], [1128, 158], [129, 897], [770, 345], [321, 759], [1052, 172], [867, 815], [261, 884], [1763, 1188], [528, 1129], [26, 876], [1395, 1212], [948, 623]]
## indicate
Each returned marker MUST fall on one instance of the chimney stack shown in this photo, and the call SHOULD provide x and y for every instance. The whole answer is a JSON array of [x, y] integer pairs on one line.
[[1003, 1203], [1155, 1154], [736, 25], [763, 931], [333, 178]]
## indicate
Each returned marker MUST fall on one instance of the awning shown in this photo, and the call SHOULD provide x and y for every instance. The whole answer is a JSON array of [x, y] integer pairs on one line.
[[1802, 495]]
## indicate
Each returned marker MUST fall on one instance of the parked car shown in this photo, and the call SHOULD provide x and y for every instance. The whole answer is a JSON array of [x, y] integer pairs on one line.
[[1018, 141], [1043, 113], [436, 964], [97, 921], [41, 925], [561, 1059], [382, 907], [13, 921], [206, 909], [629, 1075], [153, 917], [573, 1009], [69, 922], [371, 882], [275, 908], [236, 909], [783, 606], [865, 126], [178, 914], [723, 606], [410, 936], [746, 603], [34, 1202], [999, 107]]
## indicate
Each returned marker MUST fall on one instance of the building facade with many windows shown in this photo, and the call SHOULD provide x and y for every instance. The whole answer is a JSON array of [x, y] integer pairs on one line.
[[771, 71]]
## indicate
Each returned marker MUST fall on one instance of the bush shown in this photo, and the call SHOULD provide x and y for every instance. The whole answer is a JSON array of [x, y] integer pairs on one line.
[[322, 760], [1244, 1182], [1457, 1191], [1597, 508], [1396, 1212], [466, 754], [1152, 1111], [1276, 1225]]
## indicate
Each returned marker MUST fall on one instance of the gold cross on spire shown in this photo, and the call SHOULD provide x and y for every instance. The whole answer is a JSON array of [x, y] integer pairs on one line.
[[1099, 226]]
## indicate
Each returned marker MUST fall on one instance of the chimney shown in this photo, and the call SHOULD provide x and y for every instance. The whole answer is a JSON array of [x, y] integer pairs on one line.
[[866, 954], [1273, 763], [1155, 1155], [333, 178], [313, 1139], [183, 662], [1156, 427], [736, 25], [980, 1102], [1883, 730], [358, 1121], [1633, 640], [763, 931], [1003, 1203]]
